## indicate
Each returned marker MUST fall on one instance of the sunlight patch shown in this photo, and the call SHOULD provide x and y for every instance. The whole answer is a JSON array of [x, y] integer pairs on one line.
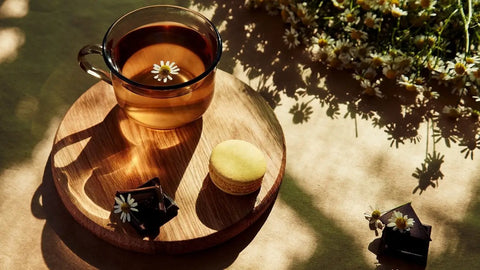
[[285, 237], [11, 39], [14, 9]]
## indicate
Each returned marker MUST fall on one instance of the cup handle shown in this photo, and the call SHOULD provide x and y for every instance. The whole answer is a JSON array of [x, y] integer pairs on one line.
[[89, 68]]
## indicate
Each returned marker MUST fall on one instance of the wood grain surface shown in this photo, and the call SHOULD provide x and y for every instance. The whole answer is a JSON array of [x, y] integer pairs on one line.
[[97, 150]]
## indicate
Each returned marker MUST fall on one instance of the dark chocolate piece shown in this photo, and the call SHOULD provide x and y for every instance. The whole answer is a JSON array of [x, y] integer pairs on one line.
[[155, 208], [412, 245]]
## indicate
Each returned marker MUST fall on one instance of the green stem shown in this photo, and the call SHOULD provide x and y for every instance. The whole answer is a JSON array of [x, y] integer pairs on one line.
[[466, 22], [394, 32]]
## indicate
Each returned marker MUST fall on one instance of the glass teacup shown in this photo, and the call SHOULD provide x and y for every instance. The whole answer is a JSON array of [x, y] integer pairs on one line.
[[162, 61]]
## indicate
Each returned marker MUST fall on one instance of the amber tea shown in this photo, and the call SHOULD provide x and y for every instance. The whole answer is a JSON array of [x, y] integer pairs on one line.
[[162, 62], [164, 55]]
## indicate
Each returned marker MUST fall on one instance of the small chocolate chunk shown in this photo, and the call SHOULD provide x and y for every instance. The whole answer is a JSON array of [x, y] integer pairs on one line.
[[154, 207], [412, 245]]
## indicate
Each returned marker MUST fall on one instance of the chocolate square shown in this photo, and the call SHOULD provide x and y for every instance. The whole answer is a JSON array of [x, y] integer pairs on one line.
[[155, 208], [412, 245]]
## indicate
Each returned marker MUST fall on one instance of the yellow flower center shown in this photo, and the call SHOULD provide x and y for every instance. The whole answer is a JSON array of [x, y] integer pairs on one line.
[[350, 17], [322, 42], [125, 207], [371, 92], [442, 76], [165, 70], [469, 60], [425, 3], [391, 74], [420, 42], [369, 22], [291, 38], [410, 87], [375, 214], [356, 35], [460, 68], [395, 2], [365, 6], [401, 223], [377, 61], [323, 56], [334, 62]]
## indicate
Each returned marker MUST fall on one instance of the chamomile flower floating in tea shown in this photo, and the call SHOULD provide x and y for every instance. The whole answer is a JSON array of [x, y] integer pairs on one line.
[[124, 207], [165, 71]]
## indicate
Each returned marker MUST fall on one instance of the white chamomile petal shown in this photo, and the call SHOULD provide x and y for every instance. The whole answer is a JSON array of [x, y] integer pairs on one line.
[[122, 216], [130, 200], [118, 200], [165, 70]]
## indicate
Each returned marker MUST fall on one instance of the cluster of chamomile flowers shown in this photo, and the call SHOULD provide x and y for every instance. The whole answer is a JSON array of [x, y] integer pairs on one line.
[[403, 40]]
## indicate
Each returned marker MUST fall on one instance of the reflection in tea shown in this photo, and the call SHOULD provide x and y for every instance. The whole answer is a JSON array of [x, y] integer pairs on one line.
[[161, 55]]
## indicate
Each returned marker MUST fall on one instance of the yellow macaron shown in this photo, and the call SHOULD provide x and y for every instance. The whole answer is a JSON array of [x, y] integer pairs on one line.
[[237, 167]]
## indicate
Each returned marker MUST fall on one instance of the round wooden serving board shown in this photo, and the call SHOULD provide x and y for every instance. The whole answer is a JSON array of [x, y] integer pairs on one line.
[[97, 151]]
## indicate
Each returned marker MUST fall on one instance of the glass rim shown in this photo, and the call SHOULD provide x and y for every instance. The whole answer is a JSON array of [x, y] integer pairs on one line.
[[108, 59]]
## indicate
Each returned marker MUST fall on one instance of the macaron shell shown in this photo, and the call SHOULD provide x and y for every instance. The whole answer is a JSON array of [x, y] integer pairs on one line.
[[234, 187], [237, 167], [238, 160]]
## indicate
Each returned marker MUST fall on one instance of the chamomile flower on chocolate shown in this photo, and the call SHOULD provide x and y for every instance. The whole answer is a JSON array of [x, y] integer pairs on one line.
[[373, 216], [124, 207], [374, 222], [400, 222], [165, 71]]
